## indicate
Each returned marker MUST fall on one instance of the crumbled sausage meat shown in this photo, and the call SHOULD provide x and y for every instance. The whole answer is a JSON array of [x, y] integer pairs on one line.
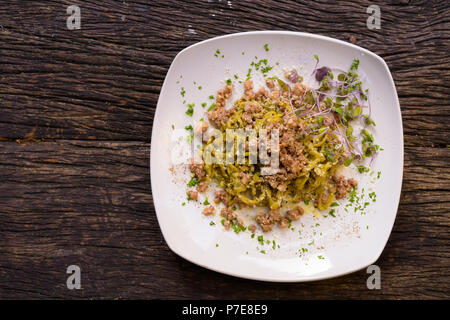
[[343, 186], [283, 223], [220, 196], [197, 167], [294, 214], [268, 220], [209, 211], [193, 195], [202, 187]]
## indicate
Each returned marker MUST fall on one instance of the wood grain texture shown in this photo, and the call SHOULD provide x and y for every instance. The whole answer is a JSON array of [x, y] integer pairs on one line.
[[76, 113]]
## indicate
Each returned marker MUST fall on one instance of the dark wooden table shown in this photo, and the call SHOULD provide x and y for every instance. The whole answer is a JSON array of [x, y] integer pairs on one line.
[[76, 113]]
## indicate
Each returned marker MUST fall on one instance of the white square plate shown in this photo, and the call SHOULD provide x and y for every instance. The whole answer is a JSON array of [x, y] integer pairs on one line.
[[318, 247]]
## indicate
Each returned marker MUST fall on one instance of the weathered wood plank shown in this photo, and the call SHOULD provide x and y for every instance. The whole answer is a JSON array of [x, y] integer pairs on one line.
[[77, 189]]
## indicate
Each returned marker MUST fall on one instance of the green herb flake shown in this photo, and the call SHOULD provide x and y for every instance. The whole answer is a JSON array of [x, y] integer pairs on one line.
[[190, 110], [260, 240], [266, 47], [211, 106], [362, 169], [212, 223], [189, 128], [193, 182]]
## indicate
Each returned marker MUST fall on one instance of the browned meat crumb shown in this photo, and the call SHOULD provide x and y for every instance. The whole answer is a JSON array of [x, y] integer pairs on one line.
[[228, 213], [275, 95], [202, 187], [268, 220], [209, 211], [294, 214], [247, 118], [283, 223], [245, 178], [343, 186], [321, 199], [219, 114], [252, 228], [193, 195], [252, 107], [299, 89], [261, 93], [220, 196], [197, 167], [327, 120], [248, 90], [201, 126], [269, 83], [265, 222]]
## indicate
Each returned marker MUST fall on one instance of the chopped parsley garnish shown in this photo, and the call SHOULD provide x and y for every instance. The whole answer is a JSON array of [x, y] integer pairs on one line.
[[362, 169], [193, 182], [266, 47], [212, 223], [211, 106], [249, 74], [261, 240], [206, 202], [355, 64], [229, 82], [331, 213], [190, 110], [189, 128], [182, 92], [211, 97]]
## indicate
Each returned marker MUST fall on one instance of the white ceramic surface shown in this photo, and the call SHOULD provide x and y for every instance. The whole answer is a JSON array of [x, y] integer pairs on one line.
[[335, 246]]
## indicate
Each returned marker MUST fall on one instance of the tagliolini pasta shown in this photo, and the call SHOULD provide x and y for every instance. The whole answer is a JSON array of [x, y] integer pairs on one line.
[[314, 139]]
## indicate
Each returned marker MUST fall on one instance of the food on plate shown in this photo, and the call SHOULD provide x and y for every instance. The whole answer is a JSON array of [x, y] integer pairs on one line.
[[317, 132]]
